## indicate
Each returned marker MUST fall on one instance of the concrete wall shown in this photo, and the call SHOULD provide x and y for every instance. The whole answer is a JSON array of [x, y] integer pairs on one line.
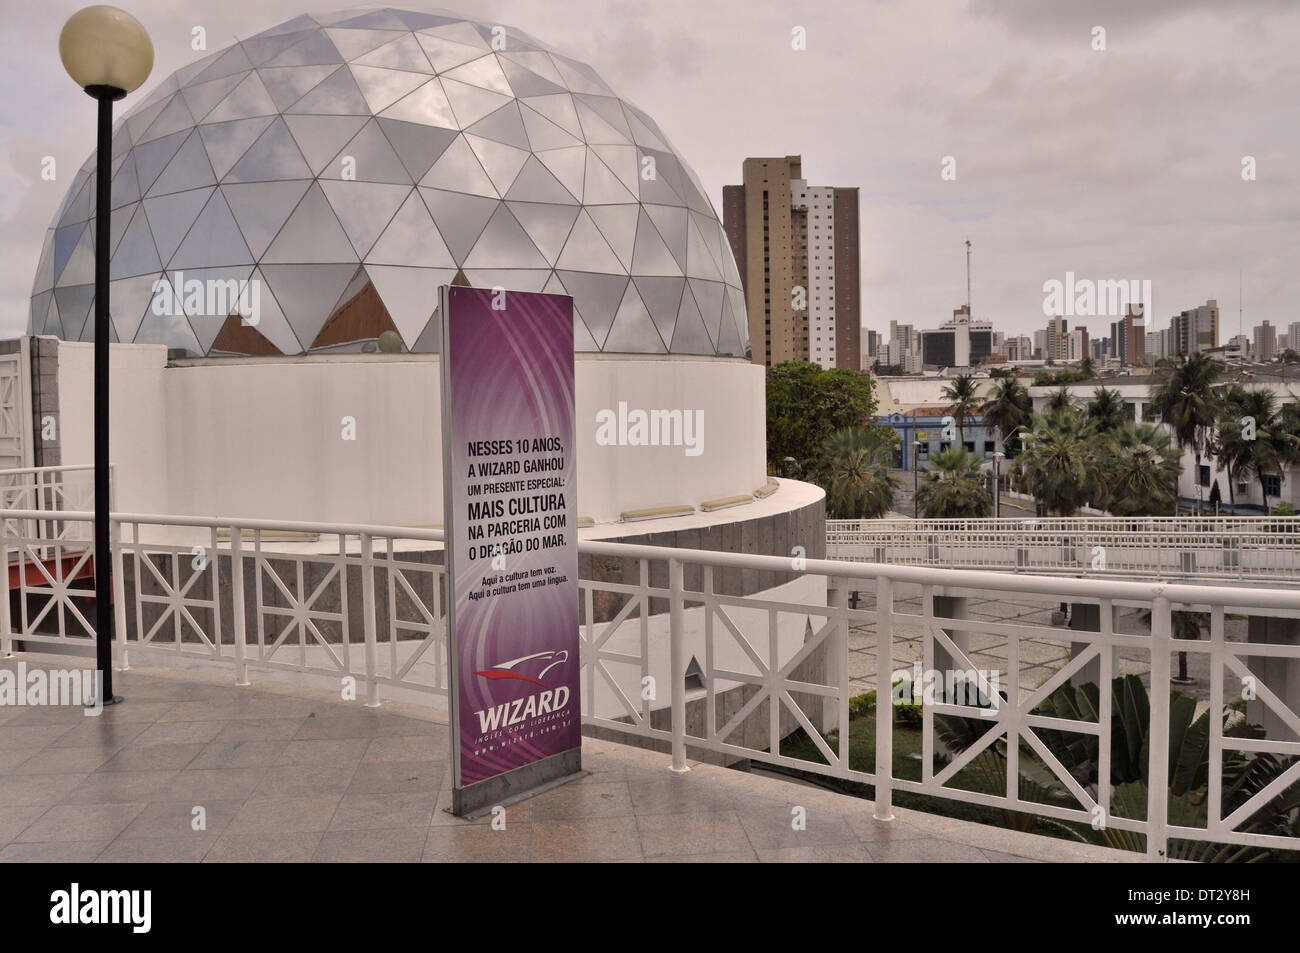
[[264, 438]]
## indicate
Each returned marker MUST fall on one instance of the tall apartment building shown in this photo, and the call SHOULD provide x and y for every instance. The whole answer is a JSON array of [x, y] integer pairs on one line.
[[1265, 348], [787, 235], [1040, 345], [1128, 339], [1195, 330], [960, 342], [1057, 344], [1293, 336]]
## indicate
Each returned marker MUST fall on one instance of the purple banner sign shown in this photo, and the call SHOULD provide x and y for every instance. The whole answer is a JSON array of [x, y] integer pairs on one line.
[[511, 535]]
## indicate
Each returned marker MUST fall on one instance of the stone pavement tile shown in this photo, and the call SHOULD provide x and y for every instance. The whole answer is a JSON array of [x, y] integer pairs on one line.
[[135, 710], [238, 754], [284, 815], [727, 857], [478, 843], [260, 729], [703, 833], [871, 831], [606, 799], [401, 846], [186, 851], [105, 787], [97, 733], [75, 852], [775, 828], [227, 708], [16, 818], [45, 789], [383, 777], [428, 747], [9, 760], [999, 857], [348, 724], [169, 732], [174, 820], [153, 758], [925, 850], [676, 795], [327, 751], [220, 784], [31, 736], [264, 848], [64, 761], [299, 780], [81, 822], [520, 814], [42, 716], [595, 840], [816, 854], [381, 811]]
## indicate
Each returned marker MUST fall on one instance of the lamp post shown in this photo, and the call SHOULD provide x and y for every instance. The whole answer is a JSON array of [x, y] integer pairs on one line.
[[916, 478], [108, 54], [997, 480]]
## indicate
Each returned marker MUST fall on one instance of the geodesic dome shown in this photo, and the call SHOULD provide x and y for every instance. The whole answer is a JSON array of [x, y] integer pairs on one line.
[[349, 164]]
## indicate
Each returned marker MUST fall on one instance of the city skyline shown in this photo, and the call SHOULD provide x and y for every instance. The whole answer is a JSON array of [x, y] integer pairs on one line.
[[1031, 114]]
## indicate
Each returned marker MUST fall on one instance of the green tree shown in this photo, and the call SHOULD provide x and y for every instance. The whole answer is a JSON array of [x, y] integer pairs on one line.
[[962, 399], [856, 472], [954, 487], [1184, 399], [1254, 437], [806, 404], [1008, 408], [1060, 401], [1056, 464], [1137, 471], [1106, 410]]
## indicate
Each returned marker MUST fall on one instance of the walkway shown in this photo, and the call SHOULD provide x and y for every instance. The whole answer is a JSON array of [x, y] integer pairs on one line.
[[283, 774]]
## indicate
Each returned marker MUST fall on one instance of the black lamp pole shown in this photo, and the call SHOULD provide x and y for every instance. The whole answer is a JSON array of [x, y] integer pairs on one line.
[[105, 97]]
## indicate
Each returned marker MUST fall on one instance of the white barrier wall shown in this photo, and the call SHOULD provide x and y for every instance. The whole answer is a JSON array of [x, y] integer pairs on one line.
[[268, 438]]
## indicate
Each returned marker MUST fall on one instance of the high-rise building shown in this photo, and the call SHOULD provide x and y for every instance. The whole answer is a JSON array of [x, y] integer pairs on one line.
[[959, 342], [1265, 348], [796, 247], [1057, 346], [1195, 330], [1293, 336], [1040, 345], [1129, 339]]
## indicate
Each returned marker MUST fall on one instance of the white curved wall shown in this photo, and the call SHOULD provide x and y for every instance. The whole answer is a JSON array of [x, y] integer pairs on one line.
[[264, 438]]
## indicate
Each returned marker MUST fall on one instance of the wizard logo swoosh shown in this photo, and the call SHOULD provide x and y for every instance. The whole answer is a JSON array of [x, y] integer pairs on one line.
[[518, 668]]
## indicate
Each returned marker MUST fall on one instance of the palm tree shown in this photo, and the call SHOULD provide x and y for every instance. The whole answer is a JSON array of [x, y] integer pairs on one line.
[[954, 487], [1138, 468], [1087, 368], [962, 401], [1007, 409], [1254, 437], [1184, 398], [1106, 410], [856, 475], [1059, 401], [1057, 460]]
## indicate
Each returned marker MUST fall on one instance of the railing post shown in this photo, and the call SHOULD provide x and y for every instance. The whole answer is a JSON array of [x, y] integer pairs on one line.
[[368, 618], [1158, 773], [6, 624], [884, 699], [237, 603], [119, 592], [677, 664]]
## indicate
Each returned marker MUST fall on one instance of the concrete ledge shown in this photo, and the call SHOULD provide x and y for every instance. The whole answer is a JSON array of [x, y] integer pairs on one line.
[[708, 506], [655, 512]]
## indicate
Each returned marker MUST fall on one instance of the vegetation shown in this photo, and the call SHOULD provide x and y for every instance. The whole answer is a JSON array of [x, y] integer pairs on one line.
[[1253, 438], [806, 404], [855, 472], [962, 401], [1056, 464], [1184, 399], [954, 487], [1106, 410], [1008, 408], [1138, 468]]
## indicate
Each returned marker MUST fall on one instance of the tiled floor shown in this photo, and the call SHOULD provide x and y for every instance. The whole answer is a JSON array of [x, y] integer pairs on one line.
[[193, 769]]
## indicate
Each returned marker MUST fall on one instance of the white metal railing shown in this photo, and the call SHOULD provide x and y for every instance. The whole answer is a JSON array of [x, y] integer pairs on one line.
[[1251, 549], [51, 490], [771, 681]]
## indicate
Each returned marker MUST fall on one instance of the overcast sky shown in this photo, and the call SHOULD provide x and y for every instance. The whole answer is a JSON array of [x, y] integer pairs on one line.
[[1122, 164]]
